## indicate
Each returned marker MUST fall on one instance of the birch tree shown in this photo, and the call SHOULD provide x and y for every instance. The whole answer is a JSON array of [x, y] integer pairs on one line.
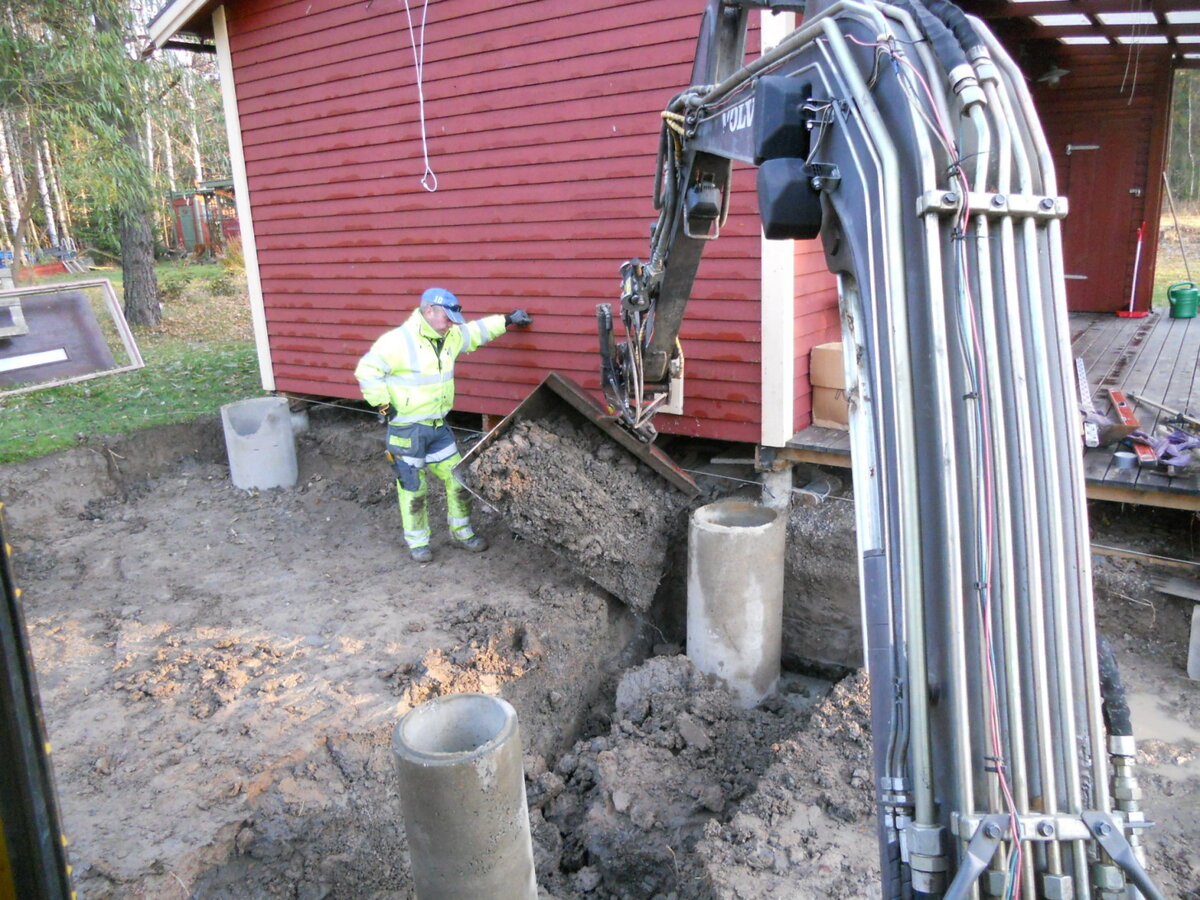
[[65, 66]]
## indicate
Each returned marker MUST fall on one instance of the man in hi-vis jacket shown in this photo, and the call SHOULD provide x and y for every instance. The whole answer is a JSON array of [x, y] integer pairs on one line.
[[408, 374]]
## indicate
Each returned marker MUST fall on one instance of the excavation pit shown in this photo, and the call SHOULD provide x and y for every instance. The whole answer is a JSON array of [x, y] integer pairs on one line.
[[221, 671]]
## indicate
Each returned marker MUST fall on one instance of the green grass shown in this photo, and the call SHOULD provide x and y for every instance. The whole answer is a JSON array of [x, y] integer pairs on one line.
[[1169, 267], [1168, 272], [201, 357], [178, 384]]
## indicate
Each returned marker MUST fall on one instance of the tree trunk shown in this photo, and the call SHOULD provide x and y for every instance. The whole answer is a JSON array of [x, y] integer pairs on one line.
[[197, 165], [1191, 152], [137, 267], [12, 204], [168, 154], [44, 191], [23, 215], [64, 216]]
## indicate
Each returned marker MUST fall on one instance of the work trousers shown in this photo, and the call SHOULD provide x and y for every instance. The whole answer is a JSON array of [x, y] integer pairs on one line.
[[413, 450]]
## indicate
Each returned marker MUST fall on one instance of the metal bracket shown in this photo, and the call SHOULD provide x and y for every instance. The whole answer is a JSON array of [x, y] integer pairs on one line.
[[987, 836], [772, 5], [988, 831], [823, 176], [1025, 205], [1110, 836], [1033, 826]]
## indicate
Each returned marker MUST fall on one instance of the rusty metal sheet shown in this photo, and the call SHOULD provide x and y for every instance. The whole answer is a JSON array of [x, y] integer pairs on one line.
[[557, 390]]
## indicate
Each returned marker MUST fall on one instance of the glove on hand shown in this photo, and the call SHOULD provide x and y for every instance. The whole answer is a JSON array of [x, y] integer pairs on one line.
[[518, 317], [384, 413]]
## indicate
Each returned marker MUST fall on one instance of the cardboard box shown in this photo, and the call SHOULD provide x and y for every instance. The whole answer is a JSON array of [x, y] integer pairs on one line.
[[829, 408], [825, 366], [828, 380]]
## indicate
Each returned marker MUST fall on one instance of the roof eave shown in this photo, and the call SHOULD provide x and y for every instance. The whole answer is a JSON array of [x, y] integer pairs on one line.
[[178, 16]]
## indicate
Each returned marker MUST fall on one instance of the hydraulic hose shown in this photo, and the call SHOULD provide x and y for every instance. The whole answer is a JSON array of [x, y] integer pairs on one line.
[[956, 20], [1112, 691], [945, 45]]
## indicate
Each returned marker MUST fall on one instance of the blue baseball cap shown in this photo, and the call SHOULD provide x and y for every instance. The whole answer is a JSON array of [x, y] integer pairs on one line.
[[436, 296]]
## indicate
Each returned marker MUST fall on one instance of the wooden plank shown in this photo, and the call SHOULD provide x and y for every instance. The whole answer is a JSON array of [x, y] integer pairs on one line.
[[618, 151], [1159, 380], [1113, 345], [1087, 335], [816, 457], [501, 130], [383, 225], [1127, 371], [600, 252], [471, 284], [521, 28], [260, 26], [1147, 558], [1177, 587], [1191, 398], [358, 49], [563, 315], [558, 117], [325, 108]]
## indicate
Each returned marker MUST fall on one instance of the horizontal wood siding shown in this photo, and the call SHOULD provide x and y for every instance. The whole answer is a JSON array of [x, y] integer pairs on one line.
[[542, 120]]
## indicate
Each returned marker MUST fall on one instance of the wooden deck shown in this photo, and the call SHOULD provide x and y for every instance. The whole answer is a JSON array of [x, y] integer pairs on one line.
[[1156, 357]]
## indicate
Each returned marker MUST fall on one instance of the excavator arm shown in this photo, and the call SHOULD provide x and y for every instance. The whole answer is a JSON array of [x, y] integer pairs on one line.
[[904, 137]]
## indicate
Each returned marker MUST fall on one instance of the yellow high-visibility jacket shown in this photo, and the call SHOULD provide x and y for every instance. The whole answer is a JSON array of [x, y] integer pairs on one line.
[[405, 369]]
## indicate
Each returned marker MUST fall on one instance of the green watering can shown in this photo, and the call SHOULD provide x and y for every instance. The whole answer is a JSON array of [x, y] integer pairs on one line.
[[1183, 297]]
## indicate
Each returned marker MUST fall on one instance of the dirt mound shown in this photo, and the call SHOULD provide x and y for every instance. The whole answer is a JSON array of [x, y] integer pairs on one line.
[[567, 486], [687, 793]]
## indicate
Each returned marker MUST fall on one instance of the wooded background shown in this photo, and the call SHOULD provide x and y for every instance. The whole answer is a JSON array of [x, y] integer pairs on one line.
[[93, 138], [1183, 165]]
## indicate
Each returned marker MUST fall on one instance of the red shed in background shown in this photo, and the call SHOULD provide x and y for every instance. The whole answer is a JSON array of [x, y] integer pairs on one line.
[[540, 123], [506, 151]]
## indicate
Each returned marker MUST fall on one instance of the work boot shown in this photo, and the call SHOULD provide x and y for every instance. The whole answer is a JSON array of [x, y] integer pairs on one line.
[[422, 554], [475, 544]]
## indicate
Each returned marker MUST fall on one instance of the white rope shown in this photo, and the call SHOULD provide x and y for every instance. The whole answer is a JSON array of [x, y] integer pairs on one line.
[[429, 178]]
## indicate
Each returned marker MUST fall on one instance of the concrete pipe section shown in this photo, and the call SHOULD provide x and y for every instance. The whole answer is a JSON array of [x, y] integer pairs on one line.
[[260, 442], [735, 595], [462, 796]]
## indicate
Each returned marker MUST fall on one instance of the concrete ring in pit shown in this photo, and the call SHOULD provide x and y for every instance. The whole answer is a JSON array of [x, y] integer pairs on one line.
[[462, 793]]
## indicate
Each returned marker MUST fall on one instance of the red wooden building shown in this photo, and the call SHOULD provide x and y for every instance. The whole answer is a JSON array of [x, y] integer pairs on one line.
[[1101, 74], [505, 150]]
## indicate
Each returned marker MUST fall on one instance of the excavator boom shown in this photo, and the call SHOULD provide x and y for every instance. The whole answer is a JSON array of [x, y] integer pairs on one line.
[[904, 137]]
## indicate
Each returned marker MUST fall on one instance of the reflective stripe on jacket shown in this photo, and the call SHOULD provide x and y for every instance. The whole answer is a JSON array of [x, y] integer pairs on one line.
[[405, 368]]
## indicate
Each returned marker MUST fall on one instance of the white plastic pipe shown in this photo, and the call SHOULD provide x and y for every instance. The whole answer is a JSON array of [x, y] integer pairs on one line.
[[462, 795], [735, 596]]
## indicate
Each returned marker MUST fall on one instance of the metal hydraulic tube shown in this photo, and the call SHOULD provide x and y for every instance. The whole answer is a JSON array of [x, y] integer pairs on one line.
[[1072, 463], [911, 565], [1083, 622], [1004, 592], [1054, 684], [1031, 538], [939, 218]]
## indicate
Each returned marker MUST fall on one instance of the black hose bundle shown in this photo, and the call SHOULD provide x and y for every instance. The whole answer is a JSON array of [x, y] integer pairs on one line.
[[956, 20], [943, 41], [1112, 691]]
